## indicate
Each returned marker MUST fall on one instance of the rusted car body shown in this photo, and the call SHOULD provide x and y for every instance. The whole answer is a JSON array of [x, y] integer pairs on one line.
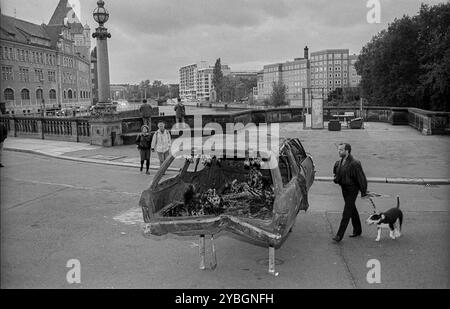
[[291, 176]]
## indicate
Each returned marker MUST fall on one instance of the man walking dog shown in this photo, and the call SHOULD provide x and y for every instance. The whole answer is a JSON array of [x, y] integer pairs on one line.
[[349, 174]]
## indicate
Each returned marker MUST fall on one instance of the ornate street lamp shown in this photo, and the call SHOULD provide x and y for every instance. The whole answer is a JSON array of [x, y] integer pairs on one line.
[[101, 16]]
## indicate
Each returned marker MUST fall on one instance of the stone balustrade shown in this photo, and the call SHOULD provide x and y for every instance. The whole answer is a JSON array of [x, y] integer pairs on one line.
[[79, 129]]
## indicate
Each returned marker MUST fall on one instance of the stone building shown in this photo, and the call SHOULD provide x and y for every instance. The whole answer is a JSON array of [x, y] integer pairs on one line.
[[45, 67]]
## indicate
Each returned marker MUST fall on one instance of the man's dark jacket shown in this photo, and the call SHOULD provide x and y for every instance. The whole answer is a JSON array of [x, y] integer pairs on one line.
[[350, 174], [146, 110], [3, 133]]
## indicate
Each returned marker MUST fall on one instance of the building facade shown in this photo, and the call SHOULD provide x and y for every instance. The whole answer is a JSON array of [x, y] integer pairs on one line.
[[330, 69], [196, 81], [295, 75], [327, 69], [45, 67]]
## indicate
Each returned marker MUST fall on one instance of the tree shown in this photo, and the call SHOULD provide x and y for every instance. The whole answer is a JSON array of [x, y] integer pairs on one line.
[[408, 64], [279, 93], [218, 79]]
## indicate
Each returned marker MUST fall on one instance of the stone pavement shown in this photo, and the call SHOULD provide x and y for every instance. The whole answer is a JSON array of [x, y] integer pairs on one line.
[[55, 210], [393, 154]]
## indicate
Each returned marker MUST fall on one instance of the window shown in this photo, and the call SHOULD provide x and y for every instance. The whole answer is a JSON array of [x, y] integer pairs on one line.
[[69, 94], [23, 75], [39, 94], [52, 94], [9, 94], [7, 73], [25, 94], [51, 76], [64, 94], [39, 75]]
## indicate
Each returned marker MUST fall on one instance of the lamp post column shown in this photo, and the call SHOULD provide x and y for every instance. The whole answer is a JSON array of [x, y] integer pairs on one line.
[[101, 16], [106, 126]]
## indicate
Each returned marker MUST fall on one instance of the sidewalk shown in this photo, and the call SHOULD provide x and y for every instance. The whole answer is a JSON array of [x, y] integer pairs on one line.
[[389, 154]]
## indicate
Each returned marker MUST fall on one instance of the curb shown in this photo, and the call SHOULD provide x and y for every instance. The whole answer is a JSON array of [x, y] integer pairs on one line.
[[393, 180], [397, 180], [84, 160]]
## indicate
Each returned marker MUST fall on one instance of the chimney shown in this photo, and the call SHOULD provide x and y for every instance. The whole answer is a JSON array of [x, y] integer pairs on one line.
[[306, 52]]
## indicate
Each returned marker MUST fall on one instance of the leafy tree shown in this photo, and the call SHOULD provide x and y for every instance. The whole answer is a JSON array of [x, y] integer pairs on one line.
[[279, 93], [218, 79], [408, 64]]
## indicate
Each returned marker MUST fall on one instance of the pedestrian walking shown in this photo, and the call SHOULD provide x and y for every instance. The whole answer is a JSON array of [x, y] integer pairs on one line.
[[348, 173], [143, 141], [3, 136], [146, 113], [161, 143], [180, 111]]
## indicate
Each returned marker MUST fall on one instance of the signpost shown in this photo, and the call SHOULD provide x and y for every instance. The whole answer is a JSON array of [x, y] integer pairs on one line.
[[313, 108]]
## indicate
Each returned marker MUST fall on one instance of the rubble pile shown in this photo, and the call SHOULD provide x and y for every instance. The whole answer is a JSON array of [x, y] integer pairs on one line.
[[252, 198]]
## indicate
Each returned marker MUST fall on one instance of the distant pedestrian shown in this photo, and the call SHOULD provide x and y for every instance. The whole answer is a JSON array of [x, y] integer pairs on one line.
[[3, 136], [348, 173], [146, 113], [180, 111], [161, 143], [143, 141]]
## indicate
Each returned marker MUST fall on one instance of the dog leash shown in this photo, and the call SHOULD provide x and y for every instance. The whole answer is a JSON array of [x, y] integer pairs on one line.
[[373, 205]]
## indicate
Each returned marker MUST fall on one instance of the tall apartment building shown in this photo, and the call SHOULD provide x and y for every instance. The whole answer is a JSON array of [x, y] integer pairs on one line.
[[330, 69], [45, 66], [294, 74], [196, 81]]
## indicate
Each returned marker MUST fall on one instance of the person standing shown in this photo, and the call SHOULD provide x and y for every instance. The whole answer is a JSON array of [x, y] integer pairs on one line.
[[3, 136], [348, 173], [161, 143], [146, 113], [143, 141], [180, 111]]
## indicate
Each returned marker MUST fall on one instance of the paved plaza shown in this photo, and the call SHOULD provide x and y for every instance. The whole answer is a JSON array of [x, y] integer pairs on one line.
[[86, 207]]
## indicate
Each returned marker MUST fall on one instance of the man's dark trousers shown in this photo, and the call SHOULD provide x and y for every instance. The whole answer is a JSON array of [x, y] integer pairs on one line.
[[350, 212]]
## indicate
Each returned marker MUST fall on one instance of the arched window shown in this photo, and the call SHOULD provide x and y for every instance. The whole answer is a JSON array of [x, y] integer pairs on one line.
[[9, 94], [25, 94], [69, 94], [52, 94], [39, 94], [64, 94]]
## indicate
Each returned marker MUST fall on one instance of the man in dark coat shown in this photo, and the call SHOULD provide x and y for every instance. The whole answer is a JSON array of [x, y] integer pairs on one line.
[[3, 136], [348, 173], [180, 111], [146, 113]]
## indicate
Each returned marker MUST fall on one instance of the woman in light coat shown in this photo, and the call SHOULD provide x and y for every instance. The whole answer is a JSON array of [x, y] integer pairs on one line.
[[161, 142]]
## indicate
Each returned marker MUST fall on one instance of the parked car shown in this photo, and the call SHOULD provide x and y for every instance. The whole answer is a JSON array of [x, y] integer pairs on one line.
[[256, 198]]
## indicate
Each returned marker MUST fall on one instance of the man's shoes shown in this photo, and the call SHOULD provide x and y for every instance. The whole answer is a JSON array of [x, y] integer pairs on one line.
[[337, 239], [147, 172], [355, 235]]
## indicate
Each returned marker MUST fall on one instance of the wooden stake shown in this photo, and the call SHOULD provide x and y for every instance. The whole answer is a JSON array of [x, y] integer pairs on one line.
[[202, 252]]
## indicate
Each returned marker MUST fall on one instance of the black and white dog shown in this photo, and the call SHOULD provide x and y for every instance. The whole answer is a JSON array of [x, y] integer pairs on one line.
[[388, 219]]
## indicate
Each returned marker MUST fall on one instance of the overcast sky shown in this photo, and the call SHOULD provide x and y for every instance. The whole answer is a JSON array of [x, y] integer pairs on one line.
[[152, 39]]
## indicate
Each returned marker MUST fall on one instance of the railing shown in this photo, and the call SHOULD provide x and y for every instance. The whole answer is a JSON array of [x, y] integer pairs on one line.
[[64, 129], [429, 122], [78, 129]]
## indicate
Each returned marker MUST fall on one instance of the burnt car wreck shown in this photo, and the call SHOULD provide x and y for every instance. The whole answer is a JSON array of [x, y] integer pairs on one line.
[[249, 196]]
